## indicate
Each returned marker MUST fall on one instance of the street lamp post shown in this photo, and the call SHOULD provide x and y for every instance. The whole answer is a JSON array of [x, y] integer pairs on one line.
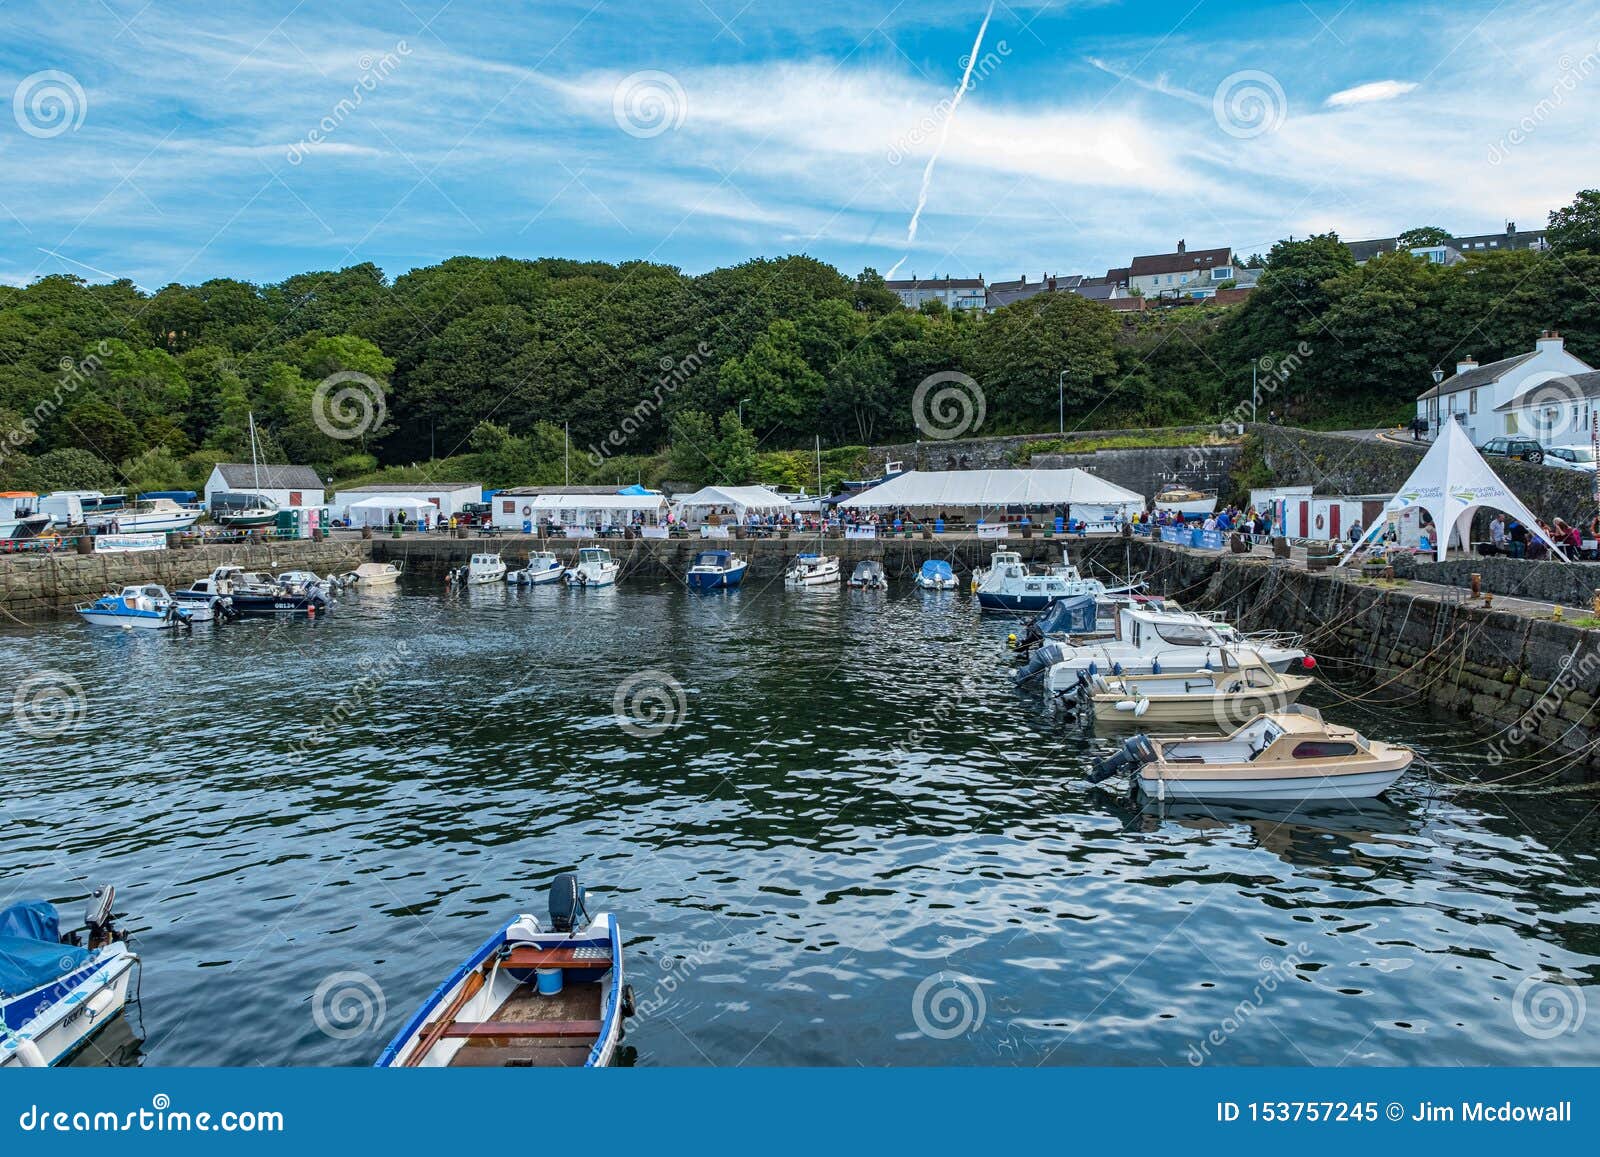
[[1061, 403], [742, 401], [1255, 395]]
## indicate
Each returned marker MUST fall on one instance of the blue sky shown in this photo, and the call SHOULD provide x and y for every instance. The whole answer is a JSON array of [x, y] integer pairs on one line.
[[176, 141]]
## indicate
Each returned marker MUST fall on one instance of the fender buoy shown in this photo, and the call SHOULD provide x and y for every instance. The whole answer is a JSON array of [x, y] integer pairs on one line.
[[1319, 522], [526, 510], [628, 1005]]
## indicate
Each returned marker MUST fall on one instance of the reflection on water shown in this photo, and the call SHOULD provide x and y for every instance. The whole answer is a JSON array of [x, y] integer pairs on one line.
[[858, 845]]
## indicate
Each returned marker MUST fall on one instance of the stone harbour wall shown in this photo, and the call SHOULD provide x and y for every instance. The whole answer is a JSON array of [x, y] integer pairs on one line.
[[35, 585], [1530, 681], [1550, 581]]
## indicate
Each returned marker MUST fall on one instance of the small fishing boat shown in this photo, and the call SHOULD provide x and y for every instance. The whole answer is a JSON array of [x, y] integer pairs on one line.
[[1008, 585], [148, 517], [1240, 689], [1155, 640], [1186, 501], [1287, 755], [480, 570], [55, 993], [869, 576], [936, 575], [204, 603], [543, 567], [144, 607], [253, 594], [241, 511], [812, 570], [595, 568], [716, 570], [529, 997], [372, 574]]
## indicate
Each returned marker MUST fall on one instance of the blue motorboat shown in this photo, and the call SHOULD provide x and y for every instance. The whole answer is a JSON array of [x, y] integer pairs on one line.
[[716, 570], [144, 607], [56, 994], [936, 575]]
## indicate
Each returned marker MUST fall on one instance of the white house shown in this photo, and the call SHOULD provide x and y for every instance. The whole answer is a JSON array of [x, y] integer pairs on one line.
[[448, 497], [284, 485], [1558, 411], [956, 292], [1181, 273], [1477, 396]]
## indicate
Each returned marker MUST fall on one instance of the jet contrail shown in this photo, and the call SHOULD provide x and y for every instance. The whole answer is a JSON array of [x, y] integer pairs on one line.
[[944, 129]]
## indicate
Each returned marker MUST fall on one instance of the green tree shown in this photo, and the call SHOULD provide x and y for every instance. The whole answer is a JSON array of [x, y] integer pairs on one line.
[[1019, 353], [1422, 236], [1575, 228], [735, 456]]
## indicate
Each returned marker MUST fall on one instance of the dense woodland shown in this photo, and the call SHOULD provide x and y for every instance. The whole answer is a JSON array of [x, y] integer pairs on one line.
[[485, 361]]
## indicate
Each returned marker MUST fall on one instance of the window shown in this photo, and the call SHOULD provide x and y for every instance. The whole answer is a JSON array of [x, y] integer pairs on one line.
[[1322, 749], [1184, 634], [507, 506], [1472, 402]]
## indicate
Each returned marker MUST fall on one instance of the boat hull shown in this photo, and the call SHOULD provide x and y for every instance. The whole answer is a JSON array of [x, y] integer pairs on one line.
[[134, 620], [590, 579], [457, 999], [718, 579], [995, 601], [522, 578], [61, 1017], [1203, 784]]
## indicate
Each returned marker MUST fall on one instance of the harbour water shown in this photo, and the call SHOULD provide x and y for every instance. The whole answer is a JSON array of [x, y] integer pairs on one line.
[[856, 844]]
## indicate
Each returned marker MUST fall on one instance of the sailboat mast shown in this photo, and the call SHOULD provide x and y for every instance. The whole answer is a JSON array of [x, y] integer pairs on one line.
[[255, 463]]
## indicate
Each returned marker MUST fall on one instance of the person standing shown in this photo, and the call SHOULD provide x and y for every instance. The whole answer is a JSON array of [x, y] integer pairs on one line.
[[1497, 534]]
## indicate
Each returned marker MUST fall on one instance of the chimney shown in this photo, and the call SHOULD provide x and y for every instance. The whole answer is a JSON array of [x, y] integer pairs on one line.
[[1550, 341], [1182, 248], [1511, 228], [1024, 280], [1465, 364]]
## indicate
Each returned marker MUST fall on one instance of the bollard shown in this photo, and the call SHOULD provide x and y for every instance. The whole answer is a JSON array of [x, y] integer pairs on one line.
[[1597, 601], [1477, 585]]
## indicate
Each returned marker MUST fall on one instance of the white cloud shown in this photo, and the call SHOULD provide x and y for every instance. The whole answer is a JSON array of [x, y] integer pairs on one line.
[[1370, 93]]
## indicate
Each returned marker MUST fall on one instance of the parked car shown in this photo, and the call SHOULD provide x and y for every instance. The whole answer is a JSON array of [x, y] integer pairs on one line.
[[1522, 449], [1571, 458]]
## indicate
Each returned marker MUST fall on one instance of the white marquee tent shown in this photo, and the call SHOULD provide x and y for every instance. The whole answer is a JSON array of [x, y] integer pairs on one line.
[[996, 489], [1451, 482], [380, 511], [593, 510], [735, 500]]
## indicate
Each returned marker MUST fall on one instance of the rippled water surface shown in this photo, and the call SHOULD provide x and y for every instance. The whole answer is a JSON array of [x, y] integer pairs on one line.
[[860, 845]]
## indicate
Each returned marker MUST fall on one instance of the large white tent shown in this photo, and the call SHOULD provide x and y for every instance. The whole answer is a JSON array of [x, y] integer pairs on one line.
[[383, 509], [738, 501], [996, 489], [594, 510], [1451, 482]]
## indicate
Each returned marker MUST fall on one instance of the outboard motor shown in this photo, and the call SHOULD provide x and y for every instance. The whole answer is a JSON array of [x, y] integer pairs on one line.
[[1133, 754], [97, 918], [567, 913], [1045, 656]]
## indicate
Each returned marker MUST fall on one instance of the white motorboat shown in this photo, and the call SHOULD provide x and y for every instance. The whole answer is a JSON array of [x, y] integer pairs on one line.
[[480, 570], [1288, 755], [55, 993], [529, 997], [1008, 585], [144, 607], [1152, 641], [595, 568], [148, 517], [1184, 500], [20, 516], [308, 582], [372, 574], [936, 575], [1242, 688], [812, 570], [868, 575], [543, 567]]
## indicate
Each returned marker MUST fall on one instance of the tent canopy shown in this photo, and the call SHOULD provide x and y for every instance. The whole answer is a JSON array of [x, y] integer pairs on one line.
[[738, 498], [995, 488], [1451, 482], [376, 511], [641, 502]]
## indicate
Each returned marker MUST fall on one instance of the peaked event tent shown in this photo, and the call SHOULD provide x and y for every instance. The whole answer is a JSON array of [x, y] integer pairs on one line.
[[739, 500], [1451, 483], [379, 510], [990, 489]]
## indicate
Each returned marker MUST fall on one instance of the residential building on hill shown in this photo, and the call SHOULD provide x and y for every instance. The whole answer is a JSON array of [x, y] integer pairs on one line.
[[1505, 397], [1181, 273], [1006, 292], [954, 292], [1512, 238]]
